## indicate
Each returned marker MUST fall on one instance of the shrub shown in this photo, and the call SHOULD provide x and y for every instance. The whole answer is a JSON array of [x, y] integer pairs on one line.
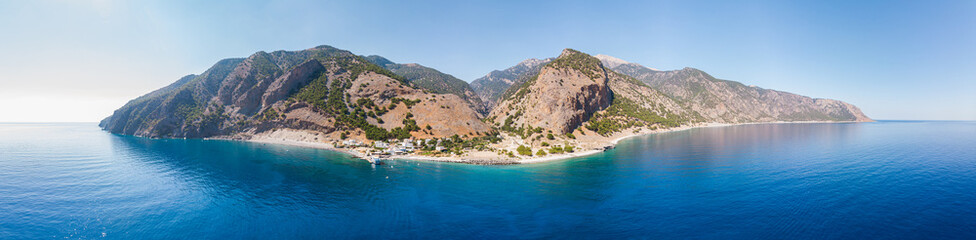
[[376, 133], [555, 150], [400, 133], [523, 150]]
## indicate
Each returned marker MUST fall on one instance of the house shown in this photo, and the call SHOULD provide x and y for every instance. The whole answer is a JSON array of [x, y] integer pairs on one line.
[[381, 144], [351, 142]]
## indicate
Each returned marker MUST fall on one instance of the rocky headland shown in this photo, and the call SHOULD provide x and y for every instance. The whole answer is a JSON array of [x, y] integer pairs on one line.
[[538, 110]]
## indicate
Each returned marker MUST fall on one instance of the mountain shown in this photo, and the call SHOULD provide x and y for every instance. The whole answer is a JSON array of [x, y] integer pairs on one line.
[[432, 80], [726, 101], [554, 105], [576, 89], [321, 91], [491, 87]]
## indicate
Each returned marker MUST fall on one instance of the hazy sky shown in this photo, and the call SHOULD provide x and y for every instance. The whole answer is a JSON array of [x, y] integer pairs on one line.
[[80, 60]]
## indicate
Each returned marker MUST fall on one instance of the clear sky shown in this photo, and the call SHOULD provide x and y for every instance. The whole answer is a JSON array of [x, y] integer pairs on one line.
[[80, 60]]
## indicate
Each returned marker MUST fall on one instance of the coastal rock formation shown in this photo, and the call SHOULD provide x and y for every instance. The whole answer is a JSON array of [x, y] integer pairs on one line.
[[538, 107], [564, 94], [323, 90]]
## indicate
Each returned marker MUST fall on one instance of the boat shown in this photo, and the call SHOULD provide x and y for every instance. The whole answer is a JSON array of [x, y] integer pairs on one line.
[[374, 160]]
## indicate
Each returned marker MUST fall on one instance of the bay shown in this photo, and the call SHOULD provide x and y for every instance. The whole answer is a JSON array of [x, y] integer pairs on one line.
[[883, 180]]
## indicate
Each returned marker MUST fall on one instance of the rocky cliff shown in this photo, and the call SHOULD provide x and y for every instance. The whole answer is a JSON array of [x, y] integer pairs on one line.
[[565, 93], [576, 90]]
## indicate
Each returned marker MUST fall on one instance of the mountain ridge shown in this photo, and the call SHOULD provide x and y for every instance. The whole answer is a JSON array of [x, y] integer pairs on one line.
[[324, 95], [733, 102], [432, 80], [316, 92], [492, 86]]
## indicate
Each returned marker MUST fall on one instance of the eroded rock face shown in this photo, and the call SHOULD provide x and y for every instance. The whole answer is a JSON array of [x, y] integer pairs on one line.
[[244, 86], [561, 97], [290, 82]]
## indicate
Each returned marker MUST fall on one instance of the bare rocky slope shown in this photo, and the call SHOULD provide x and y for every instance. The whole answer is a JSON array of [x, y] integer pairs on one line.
[[726, 101], [576, 90], [322, 90], [432, 80], [564, 94]]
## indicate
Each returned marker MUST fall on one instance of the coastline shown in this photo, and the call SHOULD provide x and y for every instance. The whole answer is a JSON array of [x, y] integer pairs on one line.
[[481, 158]]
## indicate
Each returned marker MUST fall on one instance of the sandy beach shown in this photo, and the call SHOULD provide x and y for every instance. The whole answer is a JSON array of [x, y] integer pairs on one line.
[[307, 139]]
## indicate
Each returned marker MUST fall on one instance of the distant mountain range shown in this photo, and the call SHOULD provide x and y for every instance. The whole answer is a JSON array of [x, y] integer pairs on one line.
[[732, 102], [491, 86], [335, 94]]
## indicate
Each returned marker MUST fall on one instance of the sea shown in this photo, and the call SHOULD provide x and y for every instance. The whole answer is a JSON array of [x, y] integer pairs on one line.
[[880, 180]]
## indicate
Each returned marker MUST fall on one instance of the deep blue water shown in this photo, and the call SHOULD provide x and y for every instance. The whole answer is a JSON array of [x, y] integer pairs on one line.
[[885, 180]]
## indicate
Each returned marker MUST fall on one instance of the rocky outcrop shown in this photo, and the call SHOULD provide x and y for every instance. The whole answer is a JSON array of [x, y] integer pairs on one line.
[[245, 86], [290, 82], [163, 112], [564, 94]]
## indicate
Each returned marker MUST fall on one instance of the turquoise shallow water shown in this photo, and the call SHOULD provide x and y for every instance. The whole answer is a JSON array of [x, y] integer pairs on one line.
[[885, 180]]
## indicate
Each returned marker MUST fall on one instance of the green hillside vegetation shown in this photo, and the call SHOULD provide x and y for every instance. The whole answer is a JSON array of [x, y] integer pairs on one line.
[[588, 65], [624, 113], [492, 87], [433, 80], [523, 150], [330, 97], [430, 79], [517, 92]]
